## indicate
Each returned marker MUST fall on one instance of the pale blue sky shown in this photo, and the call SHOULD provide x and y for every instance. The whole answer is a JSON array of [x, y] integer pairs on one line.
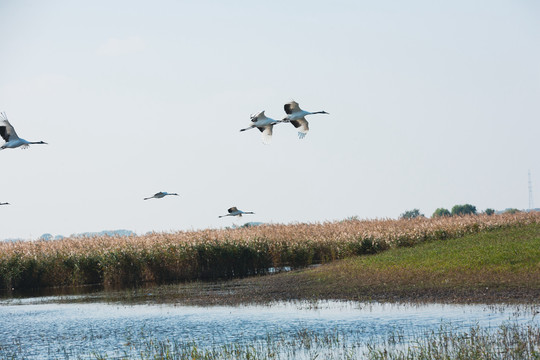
[[432, 104]]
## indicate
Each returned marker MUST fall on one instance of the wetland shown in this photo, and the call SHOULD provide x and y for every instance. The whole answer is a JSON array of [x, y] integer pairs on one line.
[[472, 296]]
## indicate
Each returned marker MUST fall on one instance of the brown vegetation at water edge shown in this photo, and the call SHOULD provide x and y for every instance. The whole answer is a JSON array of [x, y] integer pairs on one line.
[[212, 254]]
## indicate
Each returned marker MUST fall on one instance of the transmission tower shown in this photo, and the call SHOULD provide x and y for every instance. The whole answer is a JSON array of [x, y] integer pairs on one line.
[[531, 202]]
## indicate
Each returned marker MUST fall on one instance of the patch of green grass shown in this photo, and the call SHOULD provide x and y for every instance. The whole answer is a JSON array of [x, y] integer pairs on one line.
[[500, 265], [508, 250]]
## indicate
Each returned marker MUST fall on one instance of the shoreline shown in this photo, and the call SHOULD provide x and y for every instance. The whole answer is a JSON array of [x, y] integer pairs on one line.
[[276, 288], [494, 267]]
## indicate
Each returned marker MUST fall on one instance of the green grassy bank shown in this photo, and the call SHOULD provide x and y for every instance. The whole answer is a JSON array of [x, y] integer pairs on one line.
[[500, 265]]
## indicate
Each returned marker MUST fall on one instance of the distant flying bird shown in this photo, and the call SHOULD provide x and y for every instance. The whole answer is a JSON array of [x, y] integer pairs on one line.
[[4, 203], [264, 124], [235, 212], [160, 195], [10, 136], [296, 116]]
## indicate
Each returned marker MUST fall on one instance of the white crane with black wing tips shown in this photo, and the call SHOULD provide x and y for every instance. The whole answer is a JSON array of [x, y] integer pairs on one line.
[[264, 124], [297, 117], [235, 212], [12, 140], [160, 195]]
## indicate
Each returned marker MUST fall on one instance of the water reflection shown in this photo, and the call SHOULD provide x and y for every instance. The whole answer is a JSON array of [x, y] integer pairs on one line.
[[38, 327]]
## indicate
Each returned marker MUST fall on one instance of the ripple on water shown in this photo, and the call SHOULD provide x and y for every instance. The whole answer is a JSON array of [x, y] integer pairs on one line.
[[39, 328]]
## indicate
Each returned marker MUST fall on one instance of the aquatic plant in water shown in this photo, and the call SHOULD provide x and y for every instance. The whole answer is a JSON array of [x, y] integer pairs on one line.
[[508, 341]]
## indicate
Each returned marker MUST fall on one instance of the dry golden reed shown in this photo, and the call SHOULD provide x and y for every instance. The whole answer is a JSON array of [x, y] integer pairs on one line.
[[225, 253]]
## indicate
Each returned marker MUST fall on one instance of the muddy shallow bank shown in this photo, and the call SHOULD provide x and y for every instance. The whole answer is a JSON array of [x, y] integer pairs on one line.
[[269, 289]]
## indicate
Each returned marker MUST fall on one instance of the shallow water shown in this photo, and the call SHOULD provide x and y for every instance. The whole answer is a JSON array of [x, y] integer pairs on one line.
[[37, 329]]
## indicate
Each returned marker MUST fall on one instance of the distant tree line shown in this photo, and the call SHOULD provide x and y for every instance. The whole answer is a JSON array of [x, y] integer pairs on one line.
[[411, 214], [457, 210]]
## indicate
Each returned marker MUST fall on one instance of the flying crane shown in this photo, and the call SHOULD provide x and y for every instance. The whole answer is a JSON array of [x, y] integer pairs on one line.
[[12, 140], [297, 117], [160, 195], [235, 212], [264, 124]]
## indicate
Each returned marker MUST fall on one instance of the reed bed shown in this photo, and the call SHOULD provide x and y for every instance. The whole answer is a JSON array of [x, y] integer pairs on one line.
[[226, 253]]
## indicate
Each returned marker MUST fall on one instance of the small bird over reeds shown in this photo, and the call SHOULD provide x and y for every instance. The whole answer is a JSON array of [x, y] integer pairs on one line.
[[160, 195], [235, 212]]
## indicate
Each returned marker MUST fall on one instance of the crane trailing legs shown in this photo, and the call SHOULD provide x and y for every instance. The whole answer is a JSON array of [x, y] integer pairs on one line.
[[297, 117]]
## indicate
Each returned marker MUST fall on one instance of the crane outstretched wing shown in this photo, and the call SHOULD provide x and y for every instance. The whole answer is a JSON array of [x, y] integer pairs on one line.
[[291, 107], [266, 133], [258, 116], [6, 129]]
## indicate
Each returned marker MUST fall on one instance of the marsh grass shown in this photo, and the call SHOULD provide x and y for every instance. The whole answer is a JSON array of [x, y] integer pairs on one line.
[[224, 254], [509, 341], [497, 266]]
